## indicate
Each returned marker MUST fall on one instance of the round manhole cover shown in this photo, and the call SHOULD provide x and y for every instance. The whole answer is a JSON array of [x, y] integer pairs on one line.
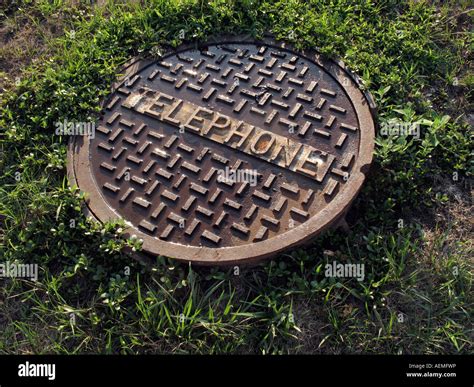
[[228, 152]]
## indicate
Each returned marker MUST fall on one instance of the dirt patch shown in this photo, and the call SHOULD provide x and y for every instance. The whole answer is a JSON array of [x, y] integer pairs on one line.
[[24, 39]]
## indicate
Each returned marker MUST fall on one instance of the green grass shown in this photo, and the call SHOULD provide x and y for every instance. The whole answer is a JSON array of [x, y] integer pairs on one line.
[[410, 225]]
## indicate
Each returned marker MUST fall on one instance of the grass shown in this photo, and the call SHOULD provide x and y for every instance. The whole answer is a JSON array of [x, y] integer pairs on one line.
[[410, 226]]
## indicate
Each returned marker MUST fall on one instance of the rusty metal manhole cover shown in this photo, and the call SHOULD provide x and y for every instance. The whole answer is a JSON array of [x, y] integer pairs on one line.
[[228, 152]]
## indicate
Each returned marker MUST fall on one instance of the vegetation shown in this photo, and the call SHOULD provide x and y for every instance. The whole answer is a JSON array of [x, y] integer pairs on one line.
[[410, 226]]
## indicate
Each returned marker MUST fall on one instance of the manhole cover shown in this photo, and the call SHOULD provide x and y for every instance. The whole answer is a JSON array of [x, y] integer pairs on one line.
[[229, 152]]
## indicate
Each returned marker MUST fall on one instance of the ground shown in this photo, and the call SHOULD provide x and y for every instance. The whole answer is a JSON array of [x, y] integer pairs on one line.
[[411, 226]]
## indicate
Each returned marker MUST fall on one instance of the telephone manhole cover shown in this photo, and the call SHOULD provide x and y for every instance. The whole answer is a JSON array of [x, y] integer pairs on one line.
[[228, 152]]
